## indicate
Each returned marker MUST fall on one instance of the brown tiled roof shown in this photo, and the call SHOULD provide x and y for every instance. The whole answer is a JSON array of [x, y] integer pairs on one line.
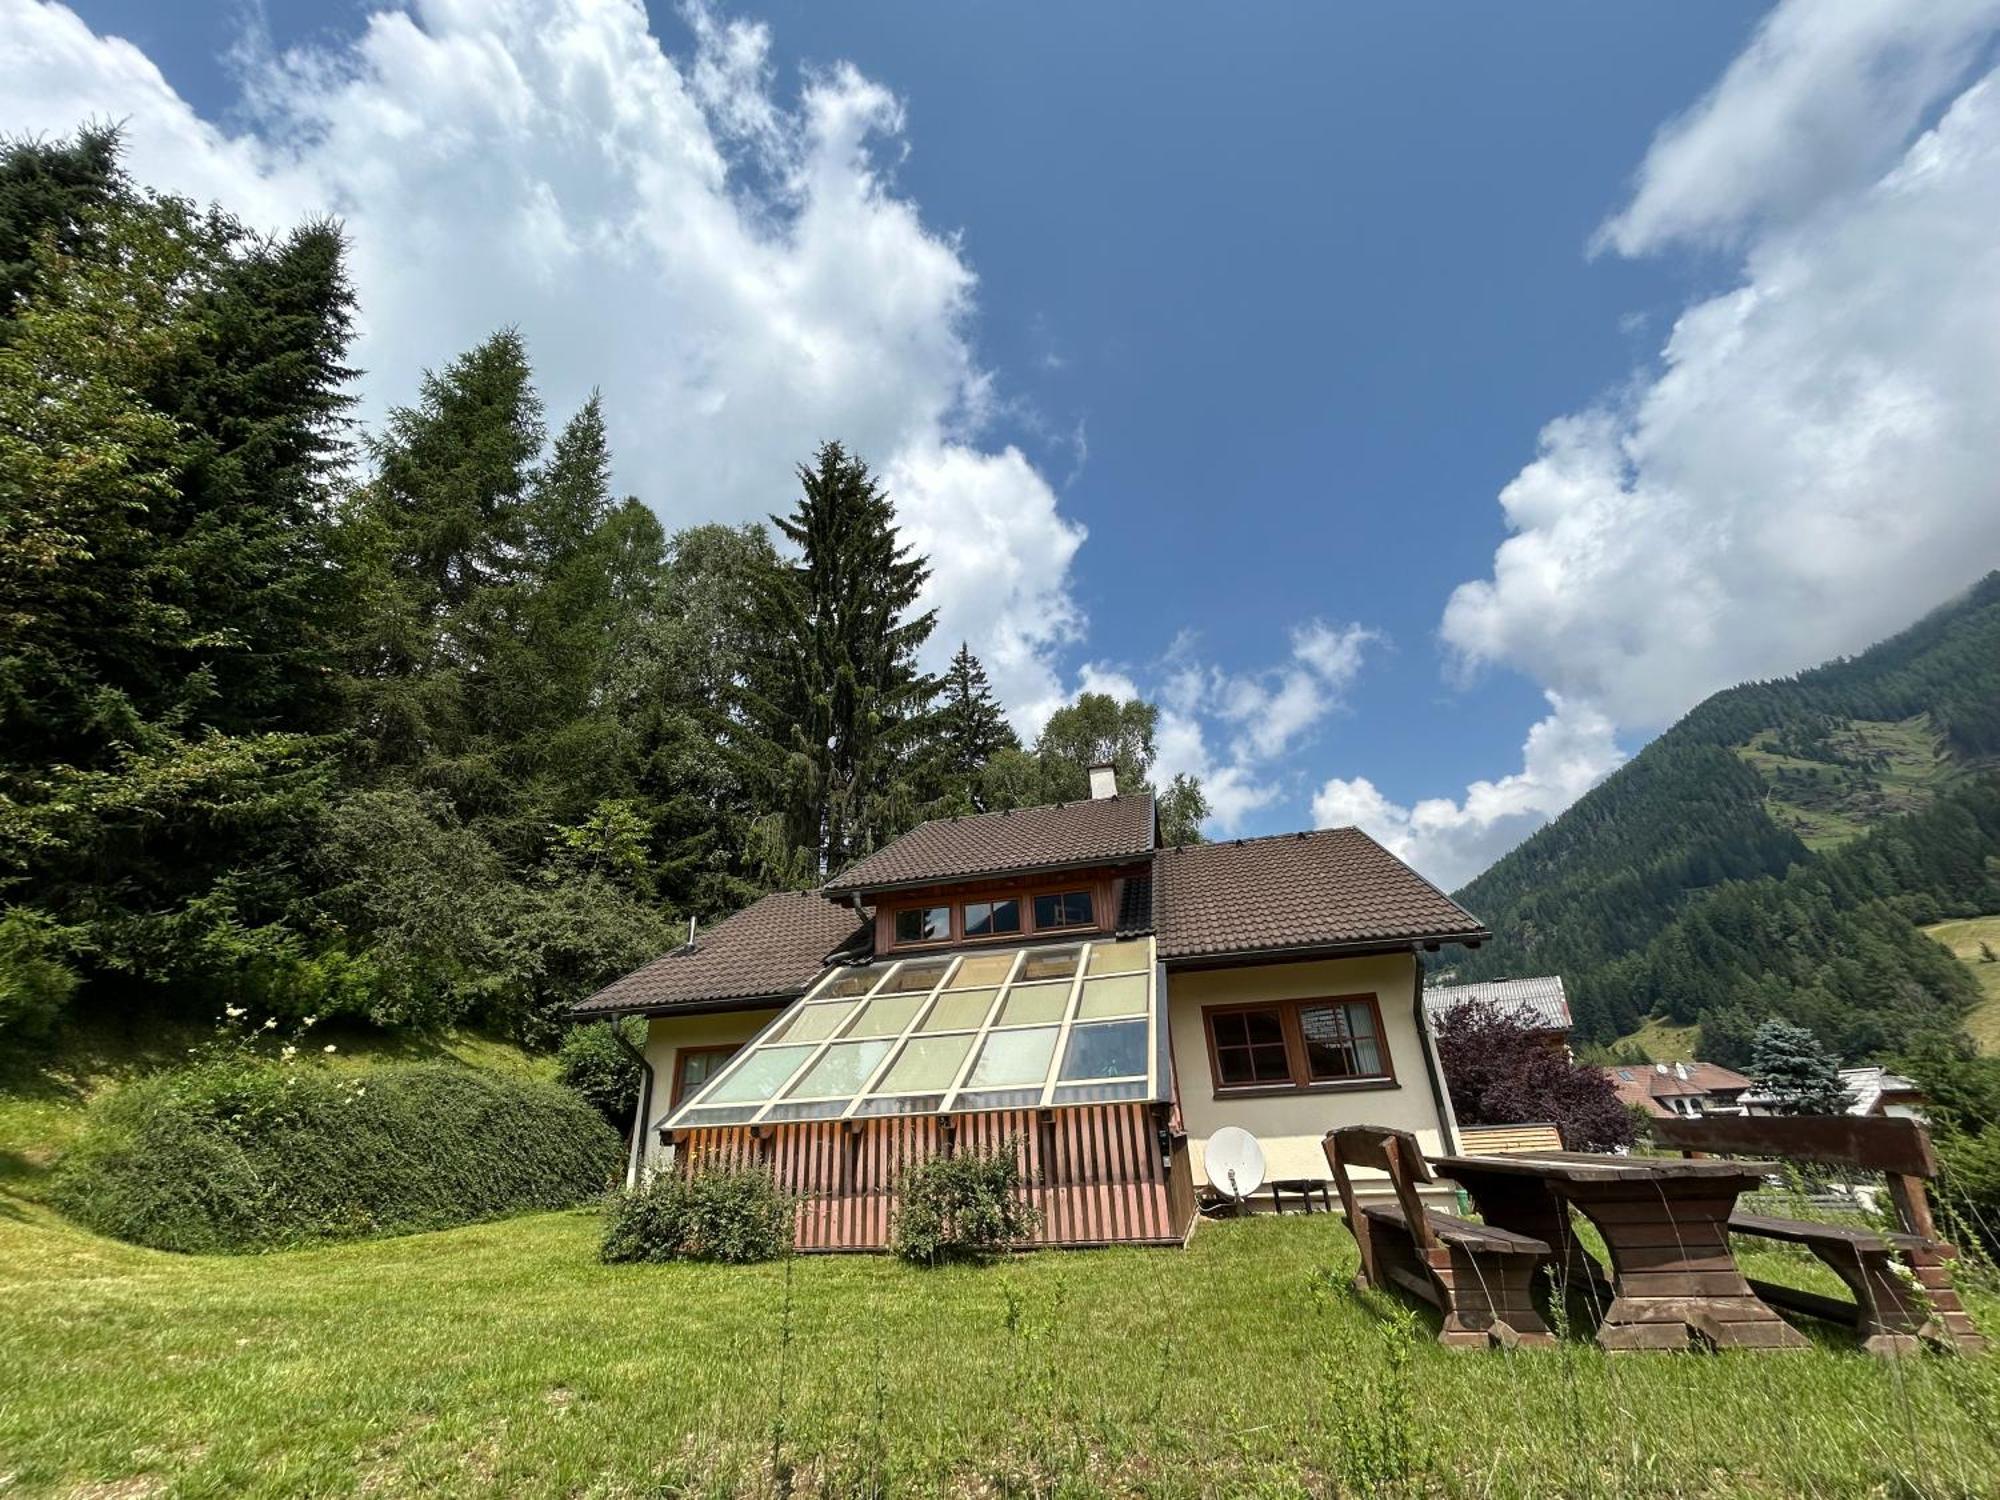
[[1331, 888], [771, 948], [1645, 1084], [1067, 834]]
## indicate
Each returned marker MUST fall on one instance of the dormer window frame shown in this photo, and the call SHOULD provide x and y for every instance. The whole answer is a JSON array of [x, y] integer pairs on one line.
[[1098, 887]]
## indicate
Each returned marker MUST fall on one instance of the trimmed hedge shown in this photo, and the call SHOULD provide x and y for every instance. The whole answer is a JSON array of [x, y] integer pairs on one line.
[[244, 1156]]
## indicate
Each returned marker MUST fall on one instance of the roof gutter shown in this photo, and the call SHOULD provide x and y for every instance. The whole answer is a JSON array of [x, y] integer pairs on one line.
[[1228, 957], [644, 1109]]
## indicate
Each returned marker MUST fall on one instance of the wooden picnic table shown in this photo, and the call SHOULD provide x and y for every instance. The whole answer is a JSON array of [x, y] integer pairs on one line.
[[1665, 1224]]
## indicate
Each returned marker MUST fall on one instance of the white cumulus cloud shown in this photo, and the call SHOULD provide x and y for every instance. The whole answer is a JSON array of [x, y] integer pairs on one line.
[[1566, 754], [731, 263]]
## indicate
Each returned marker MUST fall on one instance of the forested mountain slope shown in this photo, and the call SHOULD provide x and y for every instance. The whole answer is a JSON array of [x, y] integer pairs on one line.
[[1772, 850]]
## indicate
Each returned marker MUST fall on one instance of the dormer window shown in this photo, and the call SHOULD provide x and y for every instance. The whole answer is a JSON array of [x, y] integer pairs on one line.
[[1064, 909], [923, 924], [992, 918]]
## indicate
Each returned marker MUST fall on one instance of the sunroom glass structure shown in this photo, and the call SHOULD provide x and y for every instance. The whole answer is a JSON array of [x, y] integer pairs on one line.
[[1056, 1052]]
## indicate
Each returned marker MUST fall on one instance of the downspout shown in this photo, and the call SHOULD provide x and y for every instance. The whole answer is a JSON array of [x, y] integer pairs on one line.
[[1447, 1121], [643, 1114]]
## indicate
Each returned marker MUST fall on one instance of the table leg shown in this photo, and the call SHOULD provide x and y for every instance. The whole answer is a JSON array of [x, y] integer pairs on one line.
[[1675, 1277], [1528, 1205]]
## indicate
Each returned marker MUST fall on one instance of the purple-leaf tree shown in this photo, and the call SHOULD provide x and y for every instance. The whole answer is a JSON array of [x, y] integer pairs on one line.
[[1501, 1072]]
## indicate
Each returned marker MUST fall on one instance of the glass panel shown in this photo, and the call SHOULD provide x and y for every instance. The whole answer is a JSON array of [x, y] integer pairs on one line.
[[991, 918], [700, 1064], [1000, 1099], [983, 968], [759, 1076], [735, 1114], [1118, 958], [1250, 1048], [817, 1109], [926, 1062], [815, 1023], [923, 924], [916, 979], [1063, 909], [959, 1010], [886, 1015], [1014, 1057], [1098, 1093], [1124, 995], [1033, 1002], [1059, 964], [855, 982], [922, 1104], [842, 1070], [1340, 1041], [1116, 1049]]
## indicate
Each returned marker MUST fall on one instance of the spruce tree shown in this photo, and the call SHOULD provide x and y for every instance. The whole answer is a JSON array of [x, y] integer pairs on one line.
[[1799, 1076], [971, 727], [52, 196], [834, 709]]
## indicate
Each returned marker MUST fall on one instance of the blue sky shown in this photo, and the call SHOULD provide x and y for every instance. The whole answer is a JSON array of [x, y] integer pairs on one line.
[[1273, 310]]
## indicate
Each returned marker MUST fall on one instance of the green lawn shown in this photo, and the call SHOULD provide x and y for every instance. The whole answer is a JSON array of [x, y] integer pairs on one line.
[[502, 1360], [1660, 1040], [1964, 938]]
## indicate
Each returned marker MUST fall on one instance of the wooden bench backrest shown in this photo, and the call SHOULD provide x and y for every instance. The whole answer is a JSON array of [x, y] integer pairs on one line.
[[1395, 1152], [1504, 1140], [1872, 1143]]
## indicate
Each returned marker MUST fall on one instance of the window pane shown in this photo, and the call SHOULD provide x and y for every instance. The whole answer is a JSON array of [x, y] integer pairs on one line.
[[1114, 1050], [759, 1076], [982, 969], [886, 1015], [959, 1010], [919, 1104], [1046, 964], [816, 1109], [1098, 1093], [1247, 1028], [1014, 1057], [1000, 1099], [854, 982], [1034, 1002], [1340, 1041], [926, 1062], [988, 918], [817, 1022], [698, 1067], [916, 978], [734, 1114], [1063, 909], [842, 1070], [1117, 958], [1124, 995], [923, 924]]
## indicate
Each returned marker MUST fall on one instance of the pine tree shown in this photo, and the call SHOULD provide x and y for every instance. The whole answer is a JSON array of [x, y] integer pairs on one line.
[[971, 727], [52, 196], [834, 709], [1799, 1076]]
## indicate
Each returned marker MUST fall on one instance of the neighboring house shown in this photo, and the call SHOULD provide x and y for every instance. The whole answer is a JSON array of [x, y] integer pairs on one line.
[[1538, 1004], [1877, 1091], [1687, 1089], [1054, 977]]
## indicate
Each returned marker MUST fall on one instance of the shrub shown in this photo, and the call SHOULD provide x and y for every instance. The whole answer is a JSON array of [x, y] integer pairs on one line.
[[35, 983], [241, 1154], [962, 1207], [591, 1062], [1501, 1072], [727, 1216]]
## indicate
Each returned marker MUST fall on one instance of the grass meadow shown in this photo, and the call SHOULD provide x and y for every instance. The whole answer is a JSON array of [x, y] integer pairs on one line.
[[502, 1359]]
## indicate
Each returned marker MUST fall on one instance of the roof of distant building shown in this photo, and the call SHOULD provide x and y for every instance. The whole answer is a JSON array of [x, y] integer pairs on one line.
[[1539, 1003]]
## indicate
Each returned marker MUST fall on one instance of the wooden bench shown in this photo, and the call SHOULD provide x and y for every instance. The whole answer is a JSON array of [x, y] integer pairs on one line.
[[1480, 1278], [1892, 1309], [1508, 1140]]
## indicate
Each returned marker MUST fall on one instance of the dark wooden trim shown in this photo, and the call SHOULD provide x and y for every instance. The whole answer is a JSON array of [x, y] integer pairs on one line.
[[1295, 1048], [1101, 884], [681, 1056]]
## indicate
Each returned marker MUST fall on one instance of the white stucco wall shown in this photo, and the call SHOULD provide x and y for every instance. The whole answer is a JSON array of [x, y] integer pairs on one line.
[[1289, 1124], [666, 1035]]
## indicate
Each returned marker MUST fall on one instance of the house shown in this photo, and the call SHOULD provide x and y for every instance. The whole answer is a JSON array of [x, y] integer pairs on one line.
[[1875, 1090], [1053, 978], [1539, 1004], [1687, 1089]]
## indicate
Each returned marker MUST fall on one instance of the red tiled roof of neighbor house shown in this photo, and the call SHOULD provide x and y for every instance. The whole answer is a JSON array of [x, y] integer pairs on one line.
[[1645, 1084], [1332, 888], [1101, 831], [772, 948]]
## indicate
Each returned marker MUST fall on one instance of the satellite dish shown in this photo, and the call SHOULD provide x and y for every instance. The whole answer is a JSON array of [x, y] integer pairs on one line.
[[1234, 1162]]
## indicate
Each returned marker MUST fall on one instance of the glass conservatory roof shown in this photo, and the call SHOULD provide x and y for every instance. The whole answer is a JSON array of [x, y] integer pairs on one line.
[[997, 1028]]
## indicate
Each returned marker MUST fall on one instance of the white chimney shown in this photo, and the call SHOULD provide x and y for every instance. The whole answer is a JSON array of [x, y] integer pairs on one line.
[[1103, 780]]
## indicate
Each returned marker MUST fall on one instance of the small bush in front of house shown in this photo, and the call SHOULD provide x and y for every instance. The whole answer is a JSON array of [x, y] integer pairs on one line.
[[591, 1061], [243, 1154], [962, 1207], [737, 1217]]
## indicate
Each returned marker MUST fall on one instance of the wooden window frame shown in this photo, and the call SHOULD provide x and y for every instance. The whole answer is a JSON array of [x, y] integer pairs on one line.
[[1021, 911], [1295, 1048], [954, 921], [681, 1056], [1088, 894], [1100, 888]]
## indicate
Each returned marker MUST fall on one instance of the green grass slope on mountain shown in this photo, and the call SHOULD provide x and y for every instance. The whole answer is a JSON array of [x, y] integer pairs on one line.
[[1750, 858]]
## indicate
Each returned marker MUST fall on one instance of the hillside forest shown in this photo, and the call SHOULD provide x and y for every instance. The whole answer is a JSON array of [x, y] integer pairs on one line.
[[1774, 852], [423, 725]]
